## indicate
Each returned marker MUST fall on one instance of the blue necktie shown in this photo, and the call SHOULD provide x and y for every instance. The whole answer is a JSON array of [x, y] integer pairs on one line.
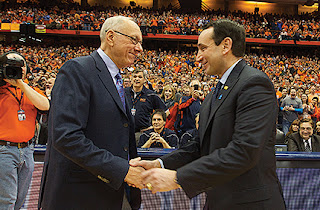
[[216, 92], [119, 85]]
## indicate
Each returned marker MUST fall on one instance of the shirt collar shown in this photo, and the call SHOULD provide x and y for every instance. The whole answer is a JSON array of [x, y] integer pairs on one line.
[[112, 67], [228, 72], [309, 140]]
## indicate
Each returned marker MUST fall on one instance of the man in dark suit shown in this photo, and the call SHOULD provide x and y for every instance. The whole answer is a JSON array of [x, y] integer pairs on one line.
[[234, 161], [304, 140], [91, 130]]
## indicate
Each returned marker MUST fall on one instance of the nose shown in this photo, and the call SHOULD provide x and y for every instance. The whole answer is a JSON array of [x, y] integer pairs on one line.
[[138, 47], [199, 57]]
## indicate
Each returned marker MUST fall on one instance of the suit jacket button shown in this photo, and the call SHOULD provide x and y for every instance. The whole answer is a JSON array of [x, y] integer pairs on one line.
[[125, 125], [125, 149]]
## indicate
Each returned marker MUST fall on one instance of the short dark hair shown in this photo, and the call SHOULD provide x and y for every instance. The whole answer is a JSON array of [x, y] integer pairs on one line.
[[306, 120], [160, 112], [138, 70], [226, 28]]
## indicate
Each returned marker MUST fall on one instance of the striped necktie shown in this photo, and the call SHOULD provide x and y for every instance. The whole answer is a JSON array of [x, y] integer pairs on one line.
[[308, 148], [119, 85]]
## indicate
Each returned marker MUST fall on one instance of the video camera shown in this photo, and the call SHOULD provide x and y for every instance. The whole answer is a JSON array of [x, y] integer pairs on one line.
[[11, 68]]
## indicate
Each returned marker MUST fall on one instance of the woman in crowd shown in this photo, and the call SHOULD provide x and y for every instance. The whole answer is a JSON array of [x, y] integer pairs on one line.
[[158, 136], [308, 109], [206, 89], [294, 127], [168, 96]]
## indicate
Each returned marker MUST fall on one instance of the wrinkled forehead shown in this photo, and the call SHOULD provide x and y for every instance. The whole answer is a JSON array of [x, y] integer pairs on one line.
[[131, 28]]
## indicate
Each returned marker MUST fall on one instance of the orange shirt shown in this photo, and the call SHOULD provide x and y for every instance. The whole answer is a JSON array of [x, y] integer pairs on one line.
[[11, 129], [278, 94]]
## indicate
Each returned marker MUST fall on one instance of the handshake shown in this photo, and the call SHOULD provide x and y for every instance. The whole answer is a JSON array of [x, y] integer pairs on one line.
[[149, 174]]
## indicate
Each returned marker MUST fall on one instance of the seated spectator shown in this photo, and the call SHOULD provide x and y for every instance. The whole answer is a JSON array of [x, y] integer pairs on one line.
[[304, 140], [318, 128], [294, 127], [190, 135], [158, 136]]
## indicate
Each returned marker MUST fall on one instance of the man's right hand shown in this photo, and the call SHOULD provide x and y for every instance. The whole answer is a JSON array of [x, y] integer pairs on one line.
[[133, 177], [146, 164]]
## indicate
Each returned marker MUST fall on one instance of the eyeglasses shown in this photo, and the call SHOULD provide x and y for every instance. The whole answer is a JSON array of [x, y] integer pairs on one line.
[[134, 40], [308, 129]]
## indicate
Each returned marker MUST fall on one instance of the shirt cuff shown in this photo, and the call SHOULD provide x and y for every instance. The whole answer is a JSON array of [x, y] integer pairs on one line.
[[161, 162]]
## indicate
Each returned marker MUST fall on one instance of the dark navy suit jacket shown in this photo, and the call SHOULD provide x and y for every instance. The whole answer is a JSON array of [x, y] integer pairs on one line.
[[91, 137], [234, 161]]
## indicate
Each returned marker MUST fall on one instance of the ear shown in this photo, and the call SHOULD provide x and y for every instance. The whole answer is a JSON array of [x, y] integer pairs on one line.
[[226, 45], [110, 38]]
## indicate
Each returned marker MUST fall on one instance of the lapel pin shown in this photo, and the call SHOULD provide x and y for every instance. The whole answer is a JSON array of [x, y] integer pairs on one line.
[[226, 87], [220, 97]]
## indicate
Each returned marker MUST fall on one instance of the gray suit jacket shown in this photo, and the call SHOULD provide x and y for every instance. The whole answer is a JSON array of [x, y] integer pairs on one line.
[[295, 143], [234, 162]]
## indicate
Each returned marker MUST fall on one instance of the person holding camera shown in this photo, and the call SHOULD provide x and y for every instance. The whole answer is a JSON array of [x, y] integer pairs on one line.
[[189, 106], [19, 104]]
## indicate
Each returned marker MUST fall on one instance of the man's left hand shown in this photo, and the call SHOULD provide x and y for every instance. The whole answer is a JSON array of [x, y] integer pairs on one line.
[[161, 180]]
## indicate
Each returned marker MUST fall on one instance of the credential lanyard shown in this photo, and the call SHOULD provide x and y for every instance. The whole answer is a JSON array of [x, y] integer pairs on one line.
[[136, 99], [15, 96]]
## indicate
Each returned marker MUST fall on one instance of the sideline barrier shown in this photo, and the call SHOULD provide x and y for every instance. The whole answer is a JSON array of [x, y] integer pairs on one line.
[[298, 172]]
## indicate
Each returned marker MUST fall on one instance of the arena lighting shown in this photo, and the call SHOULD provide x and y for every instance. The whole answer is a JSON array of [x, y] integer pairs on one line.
[[256, 2]]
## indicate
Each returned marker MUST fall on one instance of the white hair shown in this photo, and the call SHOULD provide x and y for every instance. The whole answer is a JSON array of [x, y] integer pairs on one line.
[[114, 23]]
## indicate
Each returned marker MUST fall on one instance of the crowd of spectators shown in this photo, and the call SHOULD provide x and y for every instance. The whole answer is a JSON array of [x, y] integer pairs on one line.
[[166, 21], [175, 76]]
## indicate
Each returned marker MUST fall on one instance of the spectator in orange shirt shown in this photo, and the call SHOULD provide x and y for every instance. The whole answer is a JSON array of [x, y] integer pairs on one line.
[[154, 25]]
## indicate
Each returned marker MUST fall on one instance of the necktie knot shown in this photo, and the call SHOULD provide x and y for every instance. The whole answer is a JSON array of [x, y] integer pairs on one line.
[[118, 77], [216, 92], [217, 89]]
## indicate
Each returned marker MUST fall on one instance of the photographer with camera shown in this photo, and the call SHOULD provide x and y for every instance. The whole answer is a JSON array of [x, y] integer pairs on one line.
[[189, 106], [19, 104]]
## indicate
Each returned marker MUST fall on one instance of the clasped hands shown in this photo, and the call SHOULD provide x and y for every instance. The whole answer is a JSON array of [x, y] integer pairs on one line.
[[149, 174]]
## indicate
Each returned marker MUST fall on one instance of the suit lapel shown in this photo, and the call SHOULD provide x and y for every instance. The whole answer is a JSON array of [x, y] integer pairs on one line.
[[107, 80], [224, 92]]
